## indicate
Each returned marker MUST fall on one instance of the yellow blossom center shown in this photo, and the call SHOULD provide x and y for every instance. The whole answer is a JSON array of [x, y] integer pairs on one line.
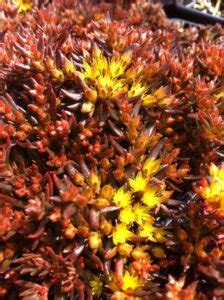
[[131, 282], [121, 234], [138, 183]]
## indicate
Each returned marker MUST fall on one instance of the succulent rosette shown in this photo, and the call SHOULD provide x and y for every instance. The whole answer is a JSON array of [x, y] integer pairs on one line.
[[111, 149]]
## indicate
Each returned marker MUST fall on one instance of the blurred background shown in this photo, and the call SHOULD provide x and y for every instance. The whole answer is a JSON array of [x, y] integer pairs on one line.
[[188, 11]]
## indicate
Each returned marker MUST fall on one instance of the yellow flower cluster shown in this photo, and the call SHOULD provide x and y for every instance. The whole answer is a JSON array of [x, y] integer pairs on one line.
[[22, 5], [104, 78], [138, 213], [212, 191], [107, 78], [135, 201]]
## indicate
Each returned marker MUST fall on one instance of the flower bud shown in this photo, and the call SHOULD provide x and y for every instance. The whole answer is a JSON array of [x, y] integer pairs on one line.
[[8, 253], [1, 256], [83, 231], [95, 181], [107, 192], [95, 241], [106, 227], [125, 249], [91, 95], [101, 203], [158, 252], [70, 231], [78, 178], [182, 235], [138, 254], [169, 131]]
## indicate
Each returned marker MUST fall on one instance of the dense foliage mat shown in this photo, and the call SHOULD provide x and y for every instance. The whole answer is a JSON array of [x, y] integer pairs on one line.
[[111, 150]]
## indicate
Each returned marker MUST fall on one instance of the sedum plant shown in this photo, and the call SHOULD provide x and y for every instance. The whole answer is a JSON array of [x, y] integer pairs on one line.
[[111, 149]]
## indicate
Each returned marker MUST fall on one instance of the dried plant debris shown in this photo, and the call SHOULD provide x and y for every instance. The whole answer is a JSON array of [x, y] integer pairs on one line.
[[111, 151]]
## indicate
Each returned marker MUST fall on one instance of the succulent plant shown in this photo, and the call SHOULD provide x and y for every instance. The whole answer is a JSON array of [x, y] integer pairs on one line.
[[111, 148]]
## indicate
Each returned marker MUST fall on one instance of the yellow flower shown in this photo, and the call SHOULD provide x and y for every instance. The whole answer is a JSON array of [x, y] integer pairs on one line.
[[131, 282], [151, 166], [151, 232], [122, 198], [110, 77], [216, 172], [141, 213], [127, 215], [138, 183], [23, 5], [147, 230], [107, 75], [213, 192], [153, 196], [121, 234], [96, 285]]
